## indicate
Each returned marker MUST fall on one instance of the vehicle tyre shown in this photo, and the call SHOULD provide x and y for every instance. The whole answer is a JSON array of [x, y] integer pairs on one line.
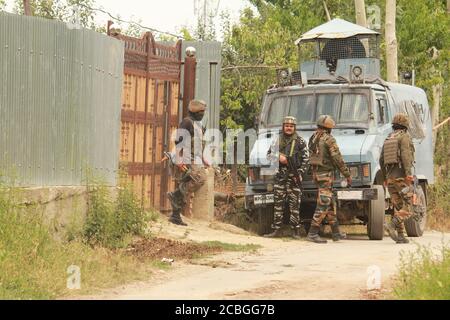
[[375, 225], [412, 226]]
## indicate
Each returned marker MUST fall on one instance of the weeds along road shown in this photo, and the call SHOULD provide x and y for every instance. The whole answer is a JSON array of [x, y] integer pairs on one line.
[[281, 269]]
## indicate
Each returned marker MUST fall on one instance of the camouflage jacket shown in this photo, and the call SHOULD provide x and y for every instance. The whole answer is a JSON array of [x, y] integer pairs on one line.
[[324, 144], [406, 156], [189, 141], [298, 154]]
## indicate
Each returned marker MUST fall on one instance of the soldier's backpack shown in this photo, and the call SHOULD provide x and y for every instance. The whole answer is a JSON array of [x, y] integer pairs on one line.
[[391, 150]]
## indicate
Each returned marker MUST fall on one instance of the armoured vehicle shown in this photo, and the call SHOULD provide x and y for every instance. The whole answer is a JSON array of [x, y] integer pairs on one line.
[[340, 76]]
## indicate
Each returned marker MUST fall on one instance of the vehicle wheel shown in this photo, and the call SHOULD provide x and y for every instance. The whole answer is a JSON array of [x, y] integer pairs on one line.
[[375, 226], [413, 227]]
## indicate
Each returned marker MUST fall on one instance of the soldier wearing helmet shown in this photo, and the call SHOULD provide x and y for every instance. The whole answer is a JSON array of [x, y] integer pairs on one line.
[[290, 153], [190, 164], [396, 161], [325, 157]]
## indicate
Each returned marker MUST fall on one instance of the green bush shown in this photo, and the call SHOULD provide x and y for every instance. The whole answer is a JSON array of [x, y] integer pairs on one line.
[[424, 275], [439, 205], [110, 223], [33, 263]]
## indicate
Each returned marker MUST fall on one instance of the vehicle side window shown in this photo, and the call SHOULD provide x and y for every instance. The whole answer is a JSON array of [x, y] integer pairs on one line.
[[382, 109], [277, 111], [355, 108]]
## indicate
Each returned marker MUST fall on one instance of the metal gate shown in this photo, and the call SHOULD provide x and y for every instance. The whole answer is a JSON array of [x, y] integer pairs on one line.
[[149, 115]]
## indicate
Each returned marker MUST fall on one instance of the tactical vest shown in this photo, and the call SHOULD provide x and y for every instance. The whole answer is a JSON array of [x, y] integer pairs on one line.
[[392, 150], [316, 152]]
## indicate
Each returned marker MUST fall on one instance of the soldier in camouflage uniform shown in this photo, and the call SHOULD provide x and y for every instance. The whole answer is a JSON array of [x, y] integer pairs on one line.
[[396, 161], [190, 164], [325, 157], [291, 152]]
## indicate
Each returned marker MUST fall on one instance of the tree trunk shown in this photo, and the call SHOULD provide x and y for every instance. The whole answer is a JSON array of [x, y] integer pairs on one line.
[[360, 9], [391, 42], [26, 7], [448, 6], [327, 12]]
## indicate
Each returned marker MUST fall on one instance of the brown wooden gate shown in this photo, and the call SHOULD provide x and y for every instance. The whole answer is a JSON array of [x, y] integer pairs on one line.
[[149, 115]]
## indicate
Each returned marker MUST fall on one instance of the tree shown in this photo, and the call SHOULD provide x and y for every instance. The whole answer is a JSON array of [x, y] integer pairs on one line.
[[63, 10], [360, 9], [27, 7], [391, 41]]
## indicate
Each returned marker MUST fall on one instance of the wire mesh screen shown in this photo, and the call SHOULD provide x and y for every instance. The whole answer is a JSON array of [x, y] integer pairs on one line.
[[361, 46]]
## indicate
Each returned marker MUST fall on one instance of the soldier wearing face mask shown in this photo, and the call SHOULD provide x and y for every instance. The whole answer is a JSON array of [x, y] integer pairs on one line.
[[190, 165]]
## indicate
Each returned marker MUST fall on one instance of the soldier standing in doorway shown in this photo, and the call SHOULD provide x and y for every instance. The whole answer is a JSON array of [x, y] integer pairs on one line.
[[190, 170], [396, 161], [292, 153], [325, 157]]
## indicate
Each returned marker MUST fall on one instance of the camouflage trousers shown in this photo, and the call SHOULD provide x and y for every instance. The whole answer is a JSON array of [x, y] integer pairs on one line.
[[186, 186], [325, 203], [402, 202], [286, 189]]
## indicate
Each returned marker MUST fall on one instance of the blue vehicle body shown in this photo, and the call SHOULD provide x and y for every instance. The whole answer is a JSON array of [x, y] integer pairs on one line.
[[360, 145], [342, 80]]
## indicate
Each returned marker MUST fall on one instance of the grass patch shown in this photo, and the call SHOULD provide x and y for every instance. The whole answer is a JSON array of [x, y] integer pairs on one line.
[[112, 223], [34, 264], [439, 205], [160, 265], [424, 275], [231, 246]]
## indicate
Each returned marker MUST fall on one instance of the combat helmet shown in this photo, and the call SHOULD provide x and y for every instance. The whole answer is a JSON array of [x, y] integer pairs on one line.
[[326, 121], [290, 120], [401, 119]]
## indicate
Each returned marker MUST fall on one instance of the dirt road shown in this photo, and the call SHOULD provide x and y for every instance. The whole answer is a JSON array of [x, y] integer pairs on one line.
[[282, 269]]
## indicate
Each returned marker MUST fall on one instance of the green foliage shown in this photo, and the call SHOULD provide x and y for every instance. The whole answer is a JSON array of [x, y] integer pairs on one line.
[[62, 10], [34, 264], [439, 204], [266, 38], [424, 275], [110, 223], [2, 4]]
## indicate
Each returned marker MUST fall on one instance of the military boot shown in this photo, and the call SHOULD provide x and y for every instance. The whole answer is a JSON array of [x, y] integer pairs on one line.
[[391, 228], [313, 235], [275, 234], [176, 218], [296, 233], [401, 239], [174, 198], [336, 233]]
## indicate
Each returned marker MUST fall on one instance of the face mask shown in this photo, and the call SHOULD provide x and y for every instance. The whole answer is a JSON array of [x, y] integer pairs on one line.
[[197, 116]]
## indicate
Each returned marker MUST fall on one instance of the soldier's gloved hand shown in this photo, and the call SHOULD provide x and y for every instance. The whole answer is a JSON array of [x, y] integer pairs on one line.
[[349, 181]]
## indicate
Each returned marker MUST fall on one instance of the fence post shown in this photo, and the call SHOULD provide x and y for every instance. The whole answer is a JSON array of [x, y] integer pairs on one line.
[[190, 65]]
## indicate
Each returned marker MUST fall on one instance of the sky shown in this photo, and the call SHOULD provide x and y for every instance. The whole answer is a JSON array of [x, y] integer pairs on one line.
[[164, 15]]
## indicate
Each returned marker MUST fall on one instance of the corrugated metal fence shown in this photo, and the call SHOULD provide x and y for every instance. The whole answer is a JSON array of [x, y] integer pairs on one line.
[[60, 94], [207, 84]]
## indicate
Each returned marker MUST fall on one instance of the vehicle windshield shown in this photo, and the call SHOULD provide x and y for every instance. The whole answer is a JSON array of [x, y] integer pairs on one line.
[[347, 109]]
